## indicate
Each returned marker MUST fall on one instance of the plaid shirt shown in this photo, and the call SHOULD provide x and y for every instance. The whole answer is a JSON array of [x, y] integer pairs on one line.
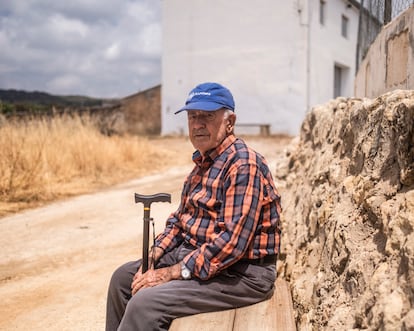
[[229, 210]]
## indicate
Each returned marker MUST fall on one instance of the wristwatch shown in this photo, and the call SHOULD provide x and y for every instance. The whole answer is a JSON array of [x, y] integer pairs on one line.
[[185, 272]]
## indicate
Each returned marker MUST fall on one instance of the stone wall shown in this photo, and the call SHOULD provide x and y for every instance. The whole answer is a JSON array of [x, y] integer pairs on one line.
[[347, 188], [142, 112], [137, 114], [389, 63]]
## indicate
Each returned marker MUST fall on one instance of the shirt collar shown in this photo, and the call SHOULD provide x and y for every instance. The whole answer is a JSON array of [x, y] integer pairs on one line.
[[212, 154]]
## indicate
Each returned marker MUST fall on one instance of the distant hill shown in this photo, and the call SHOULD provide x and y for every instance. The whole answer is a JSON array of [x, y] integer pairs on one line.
[[21, 103], [42, 98]]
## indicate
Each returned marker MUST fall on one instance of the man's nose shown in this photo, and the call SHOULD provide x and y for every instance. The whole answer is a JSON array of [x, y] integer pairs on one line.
[[199, 120], [198, 125]]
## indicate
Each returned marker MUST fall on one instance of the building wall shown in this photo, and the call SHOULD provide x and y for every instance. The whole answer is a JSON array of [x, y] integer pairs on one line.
[[329, 49], [273, 55], [389, 63], [142, 112]]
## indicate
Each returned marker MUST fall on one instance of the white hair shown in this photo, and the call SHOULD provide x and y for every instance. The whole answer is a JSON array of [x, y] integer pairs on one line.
[[227, 113]]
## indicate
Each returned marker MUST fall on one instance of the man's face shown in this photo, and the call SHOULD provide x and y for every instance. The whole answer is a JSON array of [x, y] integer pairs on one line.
[[207, 129]]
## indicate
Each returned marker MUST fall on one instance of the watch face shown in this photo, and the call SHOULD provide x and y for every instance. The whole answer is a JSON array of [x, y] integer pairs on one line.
[[186, 274]]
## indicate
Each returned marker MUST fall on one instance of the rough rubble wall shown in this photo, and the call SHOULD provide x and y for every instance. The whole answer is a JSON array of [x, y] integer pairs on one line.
[[348, 220]]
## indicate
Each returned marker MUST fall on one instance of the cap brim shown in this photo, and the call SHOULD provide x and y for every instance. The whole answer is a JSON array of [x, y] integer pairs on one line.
[[205, 106]]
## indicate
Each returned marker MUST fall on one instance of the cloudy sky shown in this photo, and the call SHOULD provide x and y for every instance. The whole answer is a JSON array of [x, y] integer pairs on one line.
[[99, 48]]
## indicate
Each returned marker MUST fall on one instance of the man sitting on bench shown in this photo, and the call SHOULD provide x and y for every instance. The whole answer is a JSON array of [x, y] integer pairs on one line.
[[218, 250]]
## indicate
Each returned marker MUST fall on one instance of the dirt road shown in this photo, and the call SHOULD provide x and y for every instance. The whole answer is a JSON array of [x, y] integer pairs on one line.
[[56, 261]]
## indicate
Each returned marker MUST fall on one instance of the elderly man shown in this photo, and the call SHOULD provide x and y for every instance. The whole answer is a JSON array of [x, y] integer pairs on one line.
[[219, 248]]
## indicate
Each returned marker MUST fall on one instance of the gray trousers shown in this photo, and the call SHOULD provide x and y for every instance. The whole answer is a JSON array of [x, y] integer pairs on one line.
[[155, 308]]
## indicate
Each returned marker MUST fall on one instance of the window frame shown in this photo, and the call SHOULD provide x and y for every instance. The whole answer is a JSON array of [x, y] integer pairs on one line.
[[344, 26], [322, 12]]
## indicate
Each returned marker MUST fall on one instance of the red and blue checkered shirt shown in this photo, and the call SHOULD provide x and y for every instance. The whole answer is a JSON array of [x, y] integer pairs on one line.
[[229, 210]]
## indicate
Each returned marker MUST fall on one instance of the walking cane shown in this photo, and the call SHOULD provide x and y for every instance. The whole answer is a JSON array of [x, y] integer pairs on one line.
[[147, 200]]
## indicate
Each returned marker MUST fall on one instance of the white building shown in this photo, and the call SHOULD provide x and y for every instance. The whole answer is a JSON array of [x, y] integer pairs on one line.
[[279, 58]]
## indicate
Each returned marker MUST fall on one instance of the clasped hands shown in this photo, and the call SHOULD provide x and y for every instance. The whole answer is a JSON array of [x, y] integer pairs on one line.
[[153, 277]]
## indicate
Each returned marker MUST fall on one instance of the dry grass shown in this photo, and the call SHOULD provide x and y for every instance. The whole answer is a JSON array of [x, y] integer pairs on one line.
[[47, 159]]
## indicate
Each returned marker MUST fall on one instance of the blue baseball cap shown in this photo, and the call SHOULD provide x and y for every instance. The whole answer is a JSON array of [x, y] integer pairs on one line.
[[208, 97]]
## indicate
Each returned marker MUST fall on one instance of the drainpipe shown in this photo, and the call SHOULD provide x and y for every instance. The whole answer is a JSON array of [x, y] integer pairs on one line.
[[306, 24], [387, 11], [308, 57]]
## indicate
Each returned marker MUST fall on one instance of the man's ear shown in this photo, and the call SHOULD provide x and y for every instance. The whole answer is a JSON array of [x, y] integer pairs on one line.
[[230, 121], [232, 118]]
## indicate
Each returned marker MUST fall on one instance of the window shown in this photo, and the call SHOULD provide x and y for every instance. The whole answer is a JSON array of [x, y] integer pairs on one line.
[[337, 81], [344, 26], [322, 12], [341, 80]]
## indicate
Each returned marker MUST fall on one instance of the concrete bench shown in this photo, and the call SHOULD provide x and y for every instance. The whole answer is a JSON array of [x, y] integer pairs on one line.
[[264, 128], [270, 315]]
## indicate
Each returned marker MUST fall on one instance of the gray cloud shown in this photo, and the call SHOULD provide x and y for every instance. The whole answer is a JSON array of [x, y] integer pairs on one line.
[[102, 48]]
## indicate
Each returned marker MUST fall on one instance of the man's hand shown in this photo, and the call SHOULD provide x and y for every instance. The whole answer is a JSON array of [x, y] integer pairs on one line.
[[154, 256], [155, 277]]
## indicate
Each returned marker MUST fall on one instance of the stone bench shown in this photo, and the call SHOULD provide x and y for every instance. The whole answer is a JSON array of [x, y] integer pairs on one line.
[[270, 315], [264, 128]]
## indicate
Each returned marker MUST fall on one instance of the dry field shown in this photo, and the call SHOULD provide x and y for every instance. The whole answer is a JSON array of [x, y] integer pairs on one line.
[[43, 160]]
